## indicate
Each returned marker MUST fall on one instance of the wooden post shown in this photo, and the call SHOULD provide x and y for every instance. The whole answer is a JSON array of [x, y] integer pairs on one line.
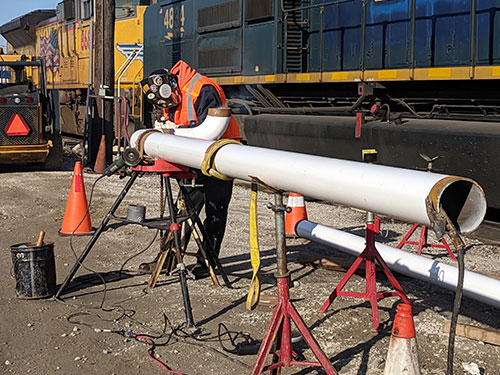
[[102, 124]]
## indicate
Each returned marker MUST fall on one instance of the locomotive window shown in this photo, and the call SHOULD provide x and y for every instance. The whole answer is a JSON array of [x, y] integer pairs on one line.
[[131, 3], [69, 9], [86, 9], [258, 10]]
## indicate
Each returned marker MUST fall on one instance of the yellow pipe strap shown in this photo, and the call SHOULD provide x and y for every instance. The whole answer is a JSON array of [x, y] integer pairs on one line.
[[254, 291], [208, 164]]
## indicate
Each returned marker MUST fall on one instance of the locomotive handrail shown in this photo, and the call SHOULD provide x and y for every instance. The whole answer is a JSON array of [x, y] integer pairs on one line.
[[134, 53], [312, 6], [133, 56]]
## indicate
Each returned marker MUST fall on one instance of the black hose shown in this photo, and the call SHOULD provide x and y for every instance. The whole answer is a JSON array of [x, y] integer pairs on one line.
[[456, 310]]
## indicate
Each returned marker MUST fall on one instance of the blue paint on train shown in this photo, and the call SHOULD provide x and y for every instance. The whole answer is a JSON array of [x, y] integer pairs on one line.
[[222, 37]]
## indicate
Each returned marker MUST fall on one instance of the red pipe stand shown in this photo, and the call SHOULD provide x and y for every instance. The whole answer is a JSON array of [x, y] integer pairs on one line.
[[284, 313], [423, 241], [370, 254]]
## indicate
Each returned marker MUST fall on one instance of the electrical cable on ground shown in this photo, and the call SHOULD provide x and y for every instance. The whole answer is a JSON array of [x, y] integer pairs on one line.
[[247, 346], [151, 353]]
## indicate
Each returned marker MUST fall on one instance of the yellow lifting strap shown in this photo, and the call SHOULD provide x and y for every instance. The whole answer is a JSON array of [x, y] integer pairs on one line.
[[254, 291], [208, 164]]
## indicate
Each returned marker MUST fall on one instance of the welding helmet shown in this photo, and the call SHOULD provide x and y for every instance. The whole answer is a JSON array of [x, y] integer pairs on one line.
[[160, 89]]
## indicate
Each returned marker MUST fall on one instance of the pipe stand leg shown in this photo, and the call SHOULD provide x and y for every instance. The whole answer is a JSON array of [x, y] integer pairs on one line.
[[174, 228], [370, 256], [284, 313]]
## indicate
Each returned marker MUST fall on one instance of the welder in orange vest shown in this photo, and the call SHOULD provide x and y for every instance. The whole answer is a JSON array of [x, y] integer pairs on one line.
[[185, 96]]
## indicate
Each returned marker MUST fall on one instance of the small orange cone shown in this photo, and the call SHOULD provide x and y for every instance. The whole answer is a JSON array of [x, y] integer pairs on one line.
[[297, 207], [402, 357], [76, 218], [100, 162]]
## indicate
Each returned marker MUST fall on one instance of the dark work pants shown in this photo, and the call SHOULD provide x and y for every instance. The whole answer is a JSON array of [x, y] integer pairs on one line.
[[215, 194]]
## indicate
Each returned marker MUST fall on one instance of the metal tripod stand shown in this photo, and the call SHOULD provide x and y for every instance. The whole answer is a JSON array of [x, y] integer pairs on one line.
[[370, 255], [171, 223], [285, 313]]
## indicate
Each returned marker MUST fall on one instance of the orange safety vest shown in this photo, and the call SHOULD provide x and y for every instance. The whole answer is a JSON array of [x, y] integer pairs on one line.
[[185, 113]]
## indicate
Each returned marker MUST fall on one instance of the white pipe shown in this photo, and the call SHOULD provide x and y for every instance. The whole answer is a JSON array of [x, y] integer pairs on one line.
[[395, 192], [211, 129], [476, 286]]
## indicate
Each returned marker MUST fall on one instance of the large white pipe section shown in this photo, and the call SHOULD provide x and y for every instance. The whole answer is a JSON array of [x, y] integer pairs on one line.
[[476, 286], [396, 192]]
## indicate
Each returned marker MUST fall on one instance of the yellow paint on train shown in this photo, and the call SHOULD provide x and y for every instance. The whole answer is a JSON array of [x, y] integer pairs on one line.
[[65, 46], [420, 74]]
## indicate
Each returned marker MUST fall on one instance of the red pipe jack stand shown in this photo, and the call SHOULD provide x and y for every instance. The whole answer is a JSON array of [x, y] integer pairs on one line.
[[423, 241], [370, 254], [279, 328]]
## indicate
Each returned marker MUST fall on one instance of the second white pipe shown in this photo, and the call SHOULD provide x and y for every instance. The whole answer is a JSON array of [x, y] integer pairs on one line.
[[476, 286]]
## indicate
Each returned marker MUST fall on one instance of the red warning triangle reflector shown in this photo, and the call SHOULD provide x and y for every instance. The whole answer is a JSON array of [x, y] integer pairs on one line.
[[17, 126]]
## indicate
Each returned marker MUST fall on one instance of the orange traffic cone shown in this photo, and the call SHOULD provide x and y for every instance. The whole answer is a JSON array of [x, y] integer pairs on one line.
[[297, 213], [402, 357], [100, 162], [76, 218]]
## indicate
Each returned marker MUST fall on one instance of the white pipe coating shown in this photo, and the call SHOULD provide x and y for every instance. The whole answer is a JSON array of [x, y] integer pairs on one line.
[[476, 286], [211, 129], [395, 192]]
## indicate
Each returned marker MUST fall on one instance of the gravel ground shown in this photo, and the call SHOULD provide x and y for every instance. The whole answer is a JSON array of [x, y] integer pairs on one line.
[[50, 337]]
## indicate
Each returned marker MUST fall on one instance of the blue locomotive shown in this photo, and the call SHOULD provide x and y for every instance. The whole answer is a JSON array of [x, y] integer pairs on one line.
[[415, 79]]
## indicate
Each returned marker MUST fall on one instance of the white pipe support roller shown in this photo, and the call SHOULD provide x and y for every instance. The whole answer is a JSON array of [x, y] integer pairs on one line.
[[476, 286], [211, 129], [409, 195]]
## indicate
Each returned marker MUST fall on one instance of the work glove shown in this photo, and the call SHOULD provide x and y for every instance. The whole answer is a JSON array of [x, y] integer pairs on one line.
[[165, 125]]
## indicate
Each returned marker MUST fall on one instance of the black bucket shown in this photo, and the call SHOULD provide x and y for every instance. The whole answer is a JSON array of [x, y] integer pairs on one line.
[[34, 270]]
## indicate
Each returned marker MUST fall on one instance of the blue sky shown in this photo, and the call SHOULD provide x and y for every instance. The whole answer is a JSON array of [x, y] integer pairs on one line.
[[10, 9]]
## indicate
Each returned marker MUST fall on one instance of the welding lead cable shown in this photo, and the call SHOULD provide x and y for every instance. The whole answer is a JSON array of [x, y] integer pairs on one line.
[[151, 354]]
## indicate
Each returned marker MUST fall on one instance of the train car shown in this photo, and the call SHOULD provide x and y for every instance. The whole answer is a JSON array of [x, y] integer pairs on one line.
[[415, 79], [64, 41]]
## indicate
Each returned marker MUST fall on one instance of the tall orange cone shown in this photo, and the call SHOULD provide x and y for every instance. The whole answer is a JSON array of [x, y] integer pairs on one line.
[[402, 357], [76, 218], [297, 208]]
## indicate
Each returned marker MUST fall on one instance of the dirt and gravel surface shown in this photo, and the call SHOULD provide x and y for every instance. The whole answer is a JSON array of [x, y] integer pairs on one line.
[[62, 337]]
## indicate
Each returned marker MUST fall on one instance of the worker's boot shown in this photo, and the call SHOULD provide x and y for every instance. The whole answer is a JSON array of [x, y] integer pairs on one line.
[[150, 267], [199, 270]]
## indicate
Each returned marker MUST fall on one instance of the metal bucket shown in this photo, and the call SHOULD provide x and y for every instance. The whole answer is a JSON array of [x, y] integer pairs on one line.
[[34, 270], [136, 213]]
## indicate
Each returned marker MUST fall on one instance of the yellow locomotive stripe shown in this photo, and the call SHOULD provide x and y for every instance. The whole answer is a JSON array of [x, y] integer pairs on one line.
[[387, 74], [339, 76], [419, 74], [423, 74], [439, 73], [349, 76], [271, 78]]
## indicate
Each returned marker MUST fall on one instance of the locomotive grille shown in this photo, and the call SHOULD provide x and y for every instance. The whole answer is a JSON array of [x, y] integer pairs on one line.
[[218, 16], [293, 36], [218, 58], [30, 116], [258, 9]]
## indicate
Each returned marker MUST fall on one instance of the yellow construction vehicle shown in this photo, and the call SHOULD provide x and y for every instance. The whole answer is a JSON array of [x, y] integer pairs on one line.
[[27, 134]]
